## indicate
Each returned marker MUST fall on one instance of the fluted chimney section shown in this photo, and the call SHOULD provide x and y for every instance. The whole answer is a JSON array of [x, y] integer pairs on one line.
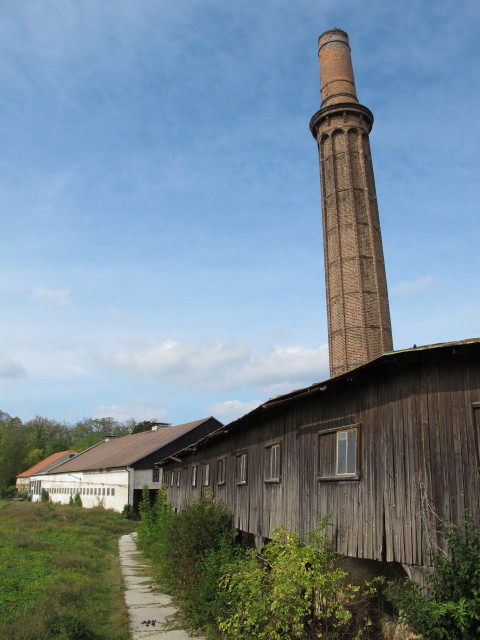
[[359, 328]]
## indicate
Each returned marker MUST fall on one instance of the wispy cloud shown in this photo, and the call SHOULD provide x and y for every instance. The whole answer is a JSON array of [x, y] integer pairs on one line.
[[10, 368], [213, 365], [231, 409], [407, 287], [60, 297], [139, 410]]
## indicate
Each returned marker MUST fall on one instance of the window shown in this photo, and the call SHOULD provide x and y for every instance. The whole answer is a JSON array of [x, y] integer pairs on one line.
[[346, 452], [156, 474], [476, 426], [194, 476], [221, 471], [206, 475], [242, 468], [272, 463], [112, 492], [338, 453], [179, 473], [171, 478]]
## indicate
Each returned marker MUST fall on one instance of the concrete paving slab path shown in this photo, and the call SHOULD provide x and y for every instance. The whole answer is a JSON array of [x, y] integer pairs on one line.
[[143, 601]]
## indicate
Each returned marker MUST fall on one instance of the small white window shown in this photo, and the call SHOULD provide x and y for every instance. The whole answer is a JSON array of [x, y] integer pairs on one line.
[[242, 468], [346, 452], [221, 471], [206, 475], [273, 463], [338, 453]]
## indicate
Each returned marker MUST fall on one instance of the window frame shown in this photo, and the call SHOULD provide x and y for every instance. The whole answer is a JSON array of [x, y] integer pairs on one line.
[[206, 475], [339, 477], [156, 474], [476, 429], [194, 475], [221, 464], [269, 477], [241, 468]]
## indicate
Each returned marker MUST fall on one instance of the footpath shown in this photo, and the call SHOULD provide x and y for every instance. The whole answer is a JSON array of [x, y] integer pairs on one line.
[[148, 610]]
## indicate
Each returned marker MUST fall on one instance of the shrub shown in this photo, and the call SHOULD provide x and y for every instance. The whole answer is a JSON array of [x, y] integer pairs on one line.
[[127, 512], [449, 604], [44, 497], [189, 551], [77, 500], [8, 493], [293, 591]]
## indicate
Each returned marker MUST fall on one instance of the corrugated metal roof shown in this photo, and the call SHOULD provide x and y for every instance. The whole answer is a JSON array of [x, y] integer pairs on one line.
[[47, 463], [122, 452]]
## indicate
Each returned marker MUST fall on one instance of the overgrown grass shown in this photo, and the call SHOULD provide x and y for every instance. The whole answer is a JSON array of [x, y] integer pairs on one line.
[[59, 573]]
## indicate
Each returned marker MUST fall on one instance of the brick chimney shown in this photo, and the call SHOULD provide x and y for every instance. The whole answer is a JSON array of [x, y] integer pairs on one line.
[[359, 327]]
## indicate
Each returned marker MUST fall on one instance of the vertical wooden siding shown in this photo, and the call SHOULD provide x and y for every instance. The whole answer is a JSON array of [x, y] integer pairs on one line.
[[417, 448]]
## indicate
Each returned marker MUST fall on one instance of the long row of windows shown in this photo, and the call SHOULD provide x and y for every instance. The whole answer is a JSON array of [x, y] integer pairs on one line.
[[337, 460], [83, 491]]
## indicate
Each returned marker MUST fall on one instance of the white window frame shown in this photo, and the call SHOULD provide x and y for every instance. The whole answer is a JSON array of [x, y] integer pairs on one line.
[[194, 475], [242, 468], [221, 467], [273, 463]]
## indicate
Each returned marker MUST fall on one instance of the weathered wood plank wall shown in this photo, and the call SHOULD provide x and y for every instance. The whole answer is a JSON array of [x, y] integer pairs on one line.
[[416, 448]]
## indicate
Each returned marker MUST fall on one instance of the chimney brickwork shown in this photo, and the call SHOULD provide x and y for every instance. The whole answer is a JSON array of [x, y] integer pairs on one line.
[[359, 327]]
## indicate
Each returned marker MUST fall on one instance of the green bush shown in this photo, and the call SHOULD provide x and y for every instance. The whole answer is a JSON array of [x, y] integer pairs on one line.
[[293, 591], [44, 497], [449, 604], [8, 493], [188, 551], [127, 512]]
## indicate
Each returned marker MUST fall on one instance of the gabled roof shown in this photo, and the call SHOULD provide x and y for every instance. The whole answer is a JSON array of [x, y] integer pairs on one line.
[[47, 463], [123, 452]]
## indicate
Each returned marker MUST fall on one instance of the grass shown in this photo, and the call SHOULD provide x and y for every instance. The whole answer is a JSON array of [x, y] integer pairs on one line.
[[60, 576]]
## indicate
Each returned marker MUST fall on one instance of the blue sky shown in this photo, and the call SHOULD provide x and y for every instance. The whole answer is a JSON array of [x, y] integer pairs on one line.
[[161, 248]]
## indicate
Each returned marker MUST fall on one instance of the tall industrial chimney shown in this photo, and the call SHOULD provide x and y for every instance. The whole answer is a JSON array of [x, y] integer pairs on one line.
[[359, 327]]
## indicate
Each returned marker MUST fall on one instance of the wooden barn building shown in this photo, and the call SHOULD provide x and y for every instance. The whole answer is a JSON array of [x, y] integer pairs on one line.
[[385, 449]]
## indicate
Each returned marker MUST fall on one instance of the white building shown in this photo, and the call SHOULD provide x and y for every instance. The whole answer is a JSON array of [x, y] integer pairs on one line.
[[113, 472]]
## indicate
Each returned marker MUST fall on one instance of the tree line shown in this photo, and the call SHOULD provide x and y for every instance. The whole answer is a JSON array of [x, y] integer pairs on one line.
[[23, 444]]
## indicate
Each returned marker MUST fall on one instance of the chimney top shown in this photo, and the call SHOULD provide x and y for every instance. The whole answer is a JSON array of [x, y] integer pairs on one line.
[[336, 71]]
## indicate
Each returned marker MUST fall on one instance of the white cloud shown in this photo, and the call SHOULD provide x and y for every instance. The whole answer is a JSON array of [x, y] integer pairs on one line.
[[286, 365], [231, 409], [213, 365], [59, 297], [139, 411], [197, 362], [10, 368], [404, 288]]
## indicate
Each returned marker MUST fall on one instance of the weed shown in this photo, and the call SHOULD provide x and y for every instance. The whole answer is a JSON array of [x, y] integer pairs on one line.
[[449, 605]]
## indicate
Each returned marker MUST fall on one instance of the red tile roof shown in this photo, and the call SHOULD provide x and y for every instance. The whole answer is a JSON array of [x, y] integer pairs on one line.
[[47, 462]]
